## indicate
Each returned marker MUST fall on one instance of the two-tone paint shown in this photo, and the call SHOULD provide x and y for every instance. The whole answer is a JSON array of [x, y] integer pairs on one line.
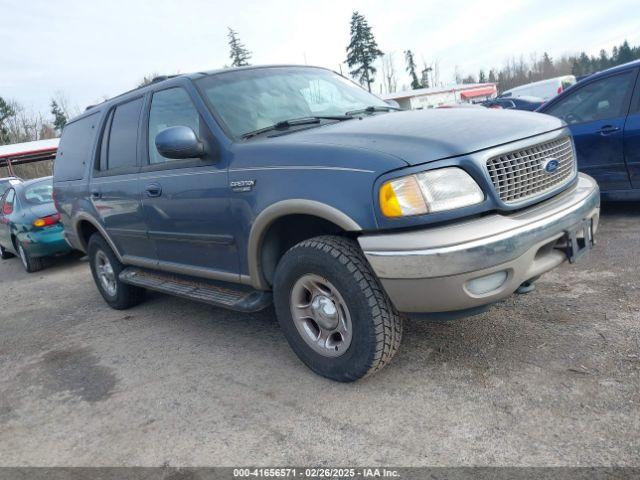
[[212, 217]]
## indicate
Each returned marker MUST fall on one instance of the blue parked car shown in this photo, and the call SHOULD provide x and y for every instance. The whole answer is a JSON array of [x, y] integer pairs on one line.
[[603, 114], [293, 185]]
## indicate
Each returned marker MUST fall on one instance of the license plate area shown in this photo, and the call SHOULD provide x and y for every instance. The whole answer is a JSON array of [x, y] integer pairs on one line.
[[578, 240]]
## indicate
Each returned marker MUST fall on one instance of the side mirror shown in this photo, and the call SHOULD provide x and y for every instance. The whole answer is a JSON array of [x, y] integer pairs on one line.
[[179, 142]]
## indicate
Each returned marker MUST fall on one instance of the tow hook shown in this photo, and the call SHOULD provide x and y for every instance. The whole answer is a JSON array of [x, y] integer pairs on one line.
[[526, 287]]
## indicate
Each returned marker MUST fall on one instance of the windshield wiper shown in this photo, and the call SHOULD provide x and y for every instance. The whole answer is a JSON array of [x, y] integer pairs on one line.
[[285, 124], [373, 109]]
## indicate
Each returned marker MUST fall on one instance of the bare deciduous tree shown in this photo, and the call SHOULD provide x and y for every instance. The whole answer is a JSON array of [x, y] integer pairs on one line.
[[24, 126], [389, 73]]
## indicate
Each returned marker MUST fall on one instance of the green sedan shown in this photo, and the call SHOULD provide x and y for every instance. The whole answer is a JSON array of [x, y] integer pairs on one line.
[[30, 224]]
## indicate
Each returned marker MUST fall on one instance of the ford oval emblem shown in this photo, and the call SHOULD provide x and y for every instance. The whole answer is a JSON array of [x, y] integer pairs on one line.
[[550, 165]]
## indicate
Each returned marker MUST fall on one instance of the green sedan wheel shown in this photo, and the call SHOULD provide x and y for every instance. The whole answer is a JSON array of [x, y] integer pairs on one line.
[[30, 264]]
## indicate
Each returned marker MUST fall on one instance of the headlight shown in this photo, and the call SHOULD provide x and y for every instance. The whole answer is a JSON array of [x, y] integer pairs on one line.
[[433, 191]]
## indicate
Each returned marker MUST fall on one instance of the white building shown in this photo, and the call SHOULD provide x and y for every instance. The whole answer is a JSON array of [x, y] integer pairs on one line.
[[435, 96]]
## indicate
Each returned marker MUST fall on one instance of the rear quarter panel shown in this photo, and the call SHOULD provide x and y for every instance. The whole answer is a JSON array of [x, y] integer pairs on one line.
[[71, 195]]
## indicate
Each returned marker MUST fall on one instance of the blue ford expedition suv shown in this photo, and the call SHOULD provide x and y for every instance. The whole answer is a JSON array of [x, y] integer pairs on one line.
[[293, 185]]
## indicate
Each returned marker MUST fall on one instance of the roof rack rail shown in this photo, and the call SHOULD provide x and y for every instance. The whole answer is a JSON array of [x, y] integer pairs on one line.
[[162, 78], [159, 78]]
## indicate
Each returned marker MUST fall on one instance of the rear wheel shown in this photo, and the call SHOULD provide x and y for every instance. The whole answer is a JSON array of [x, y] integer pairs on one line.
[[106, 268], [30, 264], [4, 254], [333, 310]]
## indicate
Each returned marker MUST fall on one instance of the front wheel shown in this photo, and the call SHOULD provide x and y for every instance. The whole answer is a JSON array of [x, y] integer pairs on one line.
[[333, 310], [106, 268]]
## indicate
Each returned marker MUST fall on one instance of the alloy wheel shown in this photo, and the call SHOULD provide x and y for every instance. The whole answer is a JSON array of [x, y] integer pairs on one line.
[[321, 316], [105, 273]]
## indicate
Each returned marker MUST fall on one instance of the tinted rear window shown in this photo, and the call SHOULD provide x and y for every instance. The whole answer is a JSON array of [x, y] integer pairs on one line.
[[75, 148], [123, 135], [39, 193]]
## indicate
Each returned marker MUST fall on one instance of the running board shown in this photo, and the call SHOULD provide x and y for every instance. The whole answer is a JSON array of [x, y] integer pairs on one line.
[[220, 294]]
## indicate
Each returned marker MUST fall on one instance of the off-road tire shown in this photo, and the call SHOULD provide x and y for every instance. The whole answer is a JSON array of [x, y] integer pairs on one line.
[[31, 264], [4, 254], [377, 327], [126, 296]]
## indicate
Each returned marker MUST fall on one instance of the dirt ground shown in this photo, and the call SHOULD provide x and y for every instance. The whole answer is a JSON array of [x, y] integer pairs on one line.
[[548, 378]]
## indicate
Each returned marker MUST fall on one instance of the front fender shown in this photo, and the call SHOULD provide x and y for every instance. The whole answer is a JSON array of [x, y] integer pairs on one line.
[[278, 210]]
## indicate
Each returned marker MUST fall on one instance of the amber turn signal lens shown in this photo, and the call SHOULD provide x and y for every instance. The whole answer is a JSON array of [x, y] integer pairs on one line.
[[402, 197], [46, 221]]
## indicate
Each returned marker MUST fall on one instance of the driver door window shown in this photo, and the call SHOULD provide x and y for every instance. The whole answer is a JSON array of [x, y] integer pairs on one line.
[[170, 108], [599, 100]]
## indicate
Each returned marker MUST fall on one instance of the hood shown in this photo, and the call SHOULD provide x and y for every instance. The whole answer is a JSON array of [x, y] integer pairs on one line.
[[420, 136]]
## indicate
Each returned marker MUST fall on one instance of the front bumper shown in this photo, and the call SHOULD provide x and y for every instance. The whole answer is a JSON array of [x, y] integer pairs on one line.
[[429, 270]]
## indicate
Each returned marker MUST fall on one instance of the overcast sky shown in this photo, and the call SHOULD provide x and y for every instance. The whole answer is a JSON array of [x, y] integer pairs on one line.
[[88, 49]]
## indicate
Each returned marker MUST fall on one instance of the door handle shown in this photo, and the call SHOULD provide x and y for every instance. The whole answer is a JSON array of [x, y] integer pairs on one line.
[[96, 194], [608, 129], [153, 190]]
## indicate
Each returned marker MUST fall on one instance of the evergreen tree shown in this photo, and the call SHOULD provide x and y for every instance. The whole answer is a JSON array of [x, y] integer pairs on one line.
[[582, 65], [411, 69], [481, 77], [624, 53], [6, 112], [515, 73], [238, 53], [547, 69], [603, 60], [362, 51], [59, 117]]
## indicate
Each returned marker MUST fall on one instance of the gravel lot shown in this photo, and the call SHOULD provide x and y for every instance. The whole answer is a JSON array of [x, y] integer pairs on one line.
[[548, 378]]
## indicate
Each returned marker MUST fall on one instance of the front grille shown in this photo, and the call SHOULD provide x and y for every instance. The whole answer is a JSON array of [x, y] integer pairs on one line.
[[520, 175]]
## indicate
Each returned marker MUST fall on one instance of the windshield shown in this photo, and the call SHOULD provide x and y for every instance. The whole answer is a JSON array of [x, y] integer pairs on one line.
[[248, 100], [39, 193]]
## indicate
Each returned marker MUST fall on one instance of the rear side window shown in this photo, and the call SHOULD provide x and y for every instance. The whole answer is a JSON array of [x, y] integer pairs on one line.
[[120, 138], [9, 201], [39, 193], [170, 108], [75, 148]]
